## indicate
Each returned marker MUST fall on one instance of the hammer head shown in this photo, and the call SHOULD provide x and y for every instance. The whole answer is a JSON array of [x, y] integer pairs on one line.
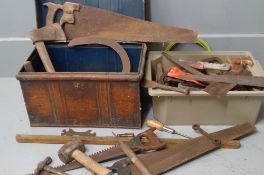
[[53, 32], [65, 153], [42, 164]]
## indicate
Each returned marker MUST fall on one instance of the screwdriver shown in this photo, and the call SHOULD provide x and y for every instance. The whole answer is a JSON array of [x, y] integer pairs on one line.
[[159, 126]]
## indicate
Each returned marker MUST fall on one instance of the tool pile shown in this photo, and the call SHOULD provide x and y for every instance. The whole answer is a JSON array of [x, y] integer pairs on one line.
[[212, 75], [151, 149], [67, 82]]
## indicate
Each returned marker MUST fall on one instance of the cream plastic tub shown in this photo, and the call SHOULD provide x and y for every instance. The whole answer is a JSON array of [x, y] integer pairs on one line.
[[199, 107]]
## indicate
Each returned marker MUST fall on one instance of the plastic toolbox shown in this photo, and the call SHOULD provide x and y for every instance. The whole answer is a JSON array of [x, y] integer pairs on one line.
[[199, 107]]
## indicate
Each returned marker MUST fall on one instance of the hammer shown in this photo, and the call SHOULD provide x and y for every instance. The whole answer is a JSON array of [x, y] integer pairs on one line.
[[75, 150], [43, 165], [52, 31]]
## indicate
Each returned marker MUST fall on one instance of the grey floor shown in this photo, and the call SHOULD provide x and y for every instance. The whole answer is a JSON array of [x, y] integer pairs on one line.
[[20, 158]]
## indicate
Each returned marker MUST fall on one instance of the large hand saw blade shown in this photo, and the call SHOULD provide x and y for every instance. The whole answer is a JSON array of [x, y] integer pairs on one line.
[[178, 154], [91, 21]]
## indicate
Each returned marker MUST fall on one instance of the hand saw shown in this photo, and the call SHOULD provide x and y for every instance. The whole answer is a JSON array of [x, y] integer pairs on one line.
[[91, 21], [178, 154]]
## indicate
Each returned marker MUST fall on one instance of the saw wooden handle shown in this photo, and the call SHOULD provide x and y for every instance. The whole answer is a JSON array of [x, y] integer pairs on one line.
[[89, 163], [68, 10], [52, 10]]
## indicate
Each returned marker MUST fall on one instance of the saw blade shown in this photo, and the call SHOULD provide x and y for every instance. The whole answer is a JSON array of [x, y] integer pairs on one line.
[[176, 155], [111, 25]]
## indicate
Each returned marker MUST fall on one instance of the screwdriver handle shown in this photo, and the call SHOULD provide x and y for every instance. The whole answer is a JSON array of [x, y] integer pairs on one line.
[[155, 124]]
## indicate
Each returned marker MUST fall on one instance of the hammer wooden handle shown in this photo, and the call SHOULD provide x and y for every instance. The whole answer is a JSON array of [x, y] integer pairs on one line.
[[44, 56], [89, 163]]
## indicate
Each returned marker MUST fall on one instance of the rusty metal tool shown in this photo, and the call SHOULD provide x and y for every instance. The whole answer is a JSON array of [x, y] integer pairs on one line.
[[75, 150], [52, 31], [155, 85], [44, 165], [182, 64], [136, 144], [133, 157], [236, 69], [197, 128], [107, 42], [91, 21], [71, 132], [237, 79], [214, 88], [217, 88], [160, 126], [176, 155], [118, 167], [205, 65], [48, 33]]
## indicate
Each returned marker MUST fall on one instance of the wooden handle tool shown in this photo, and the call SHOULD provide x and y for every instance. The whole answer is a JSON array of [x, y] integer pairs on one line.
[[91, 164], [133, 157], [159, 126], [75, 150]]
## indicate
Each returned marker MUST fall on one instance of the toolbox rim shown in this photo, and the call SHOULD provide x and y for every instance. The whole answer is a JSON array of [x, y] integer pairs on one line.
[[116, 76]]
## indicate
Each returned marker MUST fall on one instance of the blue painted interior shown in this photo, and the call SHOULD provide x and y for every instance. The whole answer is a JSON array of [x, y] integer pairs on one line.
[[91, 58], [134, 8]]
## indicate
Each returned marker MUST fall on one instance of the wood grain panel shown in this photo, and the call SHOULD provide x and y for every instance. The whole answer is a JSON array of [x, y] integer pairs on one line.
[[38, 102], [81, 103], [125, 102]]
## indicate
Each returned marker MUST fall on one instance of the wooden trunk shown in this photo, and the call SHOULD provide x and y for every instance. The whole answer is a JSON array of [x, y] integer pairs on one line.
[[88, 88]]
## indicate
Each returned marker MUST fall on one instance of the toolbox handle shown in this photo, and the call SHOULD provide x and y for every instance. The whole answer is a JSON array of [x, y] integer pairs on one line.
[[106, 42]]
